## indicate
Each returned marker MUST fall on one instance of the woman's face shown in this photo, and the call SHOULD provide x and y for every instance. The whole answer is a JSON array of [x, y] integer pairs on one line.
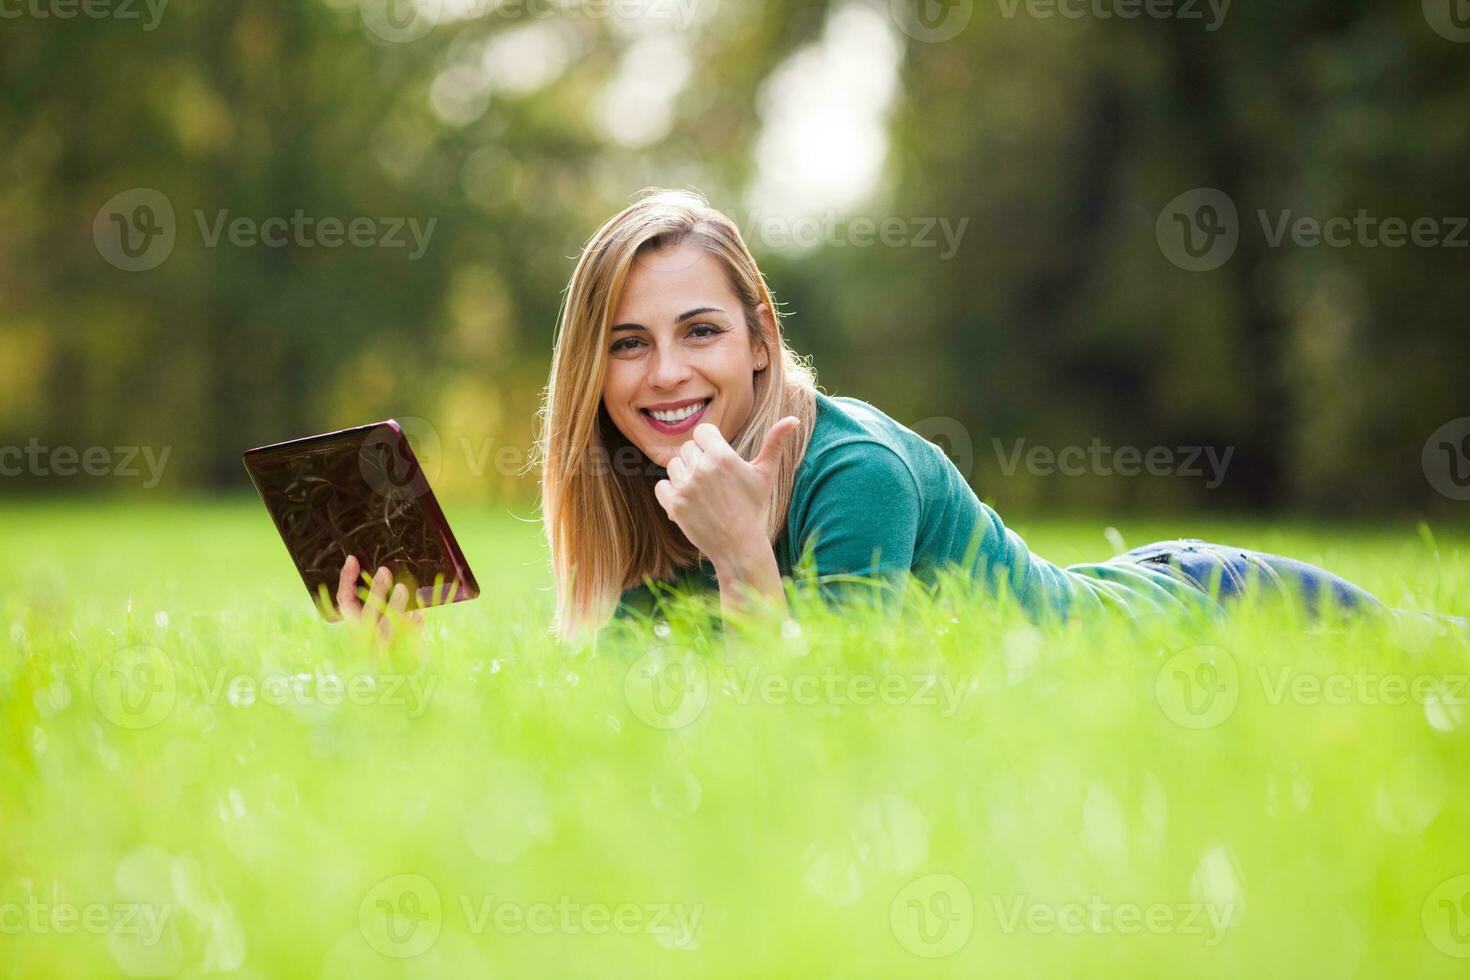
[[679, 347]]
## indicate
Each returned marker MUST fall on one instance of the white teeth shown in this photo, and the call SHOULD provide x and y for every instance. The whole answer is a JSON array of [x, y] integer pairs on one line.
[[678, 415]]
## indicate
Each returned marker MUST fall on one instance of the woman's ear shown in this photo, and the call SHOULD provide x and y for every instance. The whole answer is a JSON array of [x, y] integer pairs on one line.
[[765, 343]]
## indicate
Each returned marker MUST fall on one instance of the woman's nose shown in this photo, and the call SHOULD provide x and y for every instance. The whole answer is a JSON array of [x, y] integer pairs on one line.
[[670, 368]]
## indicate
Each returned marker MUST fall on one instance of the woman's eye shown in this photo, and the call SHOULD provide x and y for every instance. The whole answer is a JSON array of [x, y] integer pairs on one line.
[[705, 330], [625, 345]]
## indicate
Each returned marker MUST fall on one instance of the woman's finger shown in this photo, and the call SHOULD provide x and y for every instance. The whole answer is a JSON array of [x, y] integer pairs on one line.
[[664, 491], [347, 603], [691, 452], [377, 598], [708, 437], [678, 469], [396, 606], [776, 439]]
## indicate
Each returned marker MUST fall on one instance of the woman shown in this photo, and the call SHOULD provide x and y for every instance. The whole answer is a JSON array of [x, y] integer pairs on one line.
[[683, 441]]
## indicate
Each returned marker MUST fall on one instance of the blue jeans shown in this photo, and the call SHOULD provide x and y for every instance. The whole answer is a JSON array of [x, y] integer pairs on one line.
[[1228, 573]]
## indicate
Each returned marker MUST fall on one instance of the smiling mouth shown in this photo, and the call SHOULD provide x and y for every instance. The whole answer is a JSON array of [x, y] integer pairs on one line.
[[677, 420]]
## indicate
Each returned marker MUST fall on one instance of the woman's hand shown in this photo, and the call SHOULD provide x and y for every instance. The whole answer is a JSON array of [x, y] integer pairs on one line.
[[719, 500], [380, 609]]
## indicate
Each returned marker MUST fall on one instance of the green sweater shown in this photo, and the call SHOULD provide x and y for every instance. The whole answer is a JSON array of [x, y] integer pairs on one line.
[[874, 499]]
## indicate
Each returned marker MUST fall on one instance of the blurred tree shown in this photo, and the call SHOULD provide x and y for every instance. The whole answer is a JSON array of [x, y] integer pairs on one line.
[[1058, 320]]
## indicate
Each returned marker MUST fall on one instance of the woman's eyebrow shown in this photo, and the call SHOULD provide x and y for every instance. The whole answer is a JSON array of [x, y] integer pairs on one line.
[[697, 311]]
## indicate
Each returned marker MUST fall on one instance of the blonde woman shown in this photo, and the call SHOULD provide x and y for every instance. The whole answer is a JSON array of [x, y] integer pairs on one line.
[[682, 441]]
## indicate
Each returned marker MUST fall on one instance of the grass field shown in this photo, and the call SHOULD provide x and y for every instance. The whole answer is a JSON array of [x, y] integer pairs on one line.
[[199, 778]]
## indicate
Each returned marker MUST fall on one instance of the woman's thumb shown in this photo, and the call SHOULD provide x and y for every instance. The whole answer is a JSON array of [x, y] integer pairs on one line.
[[776, 439]]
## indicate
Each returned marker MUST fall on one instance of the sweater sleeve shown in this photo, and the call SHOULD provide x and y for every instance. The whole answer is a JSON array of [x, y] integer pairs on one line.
[[1045, 590], [859, 521]]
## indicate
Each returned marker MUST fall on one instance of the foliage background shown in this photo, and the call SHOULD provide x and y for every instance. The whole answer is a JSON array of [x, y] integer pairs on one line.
[[521, 127]]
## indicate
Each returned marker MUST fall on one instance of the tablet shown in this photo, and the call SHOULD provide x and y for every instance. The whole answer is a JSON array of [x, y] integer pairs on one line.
[[360, 492]]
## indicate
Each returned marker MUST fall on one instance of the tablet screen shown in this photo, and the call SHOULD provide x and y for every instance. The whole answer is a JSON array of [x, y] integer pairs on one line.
[[360, 491]]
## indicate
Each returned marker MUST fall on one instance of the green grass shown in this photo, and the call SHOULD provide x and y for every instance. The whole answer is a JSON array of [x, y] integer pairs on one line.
[[851, 799]]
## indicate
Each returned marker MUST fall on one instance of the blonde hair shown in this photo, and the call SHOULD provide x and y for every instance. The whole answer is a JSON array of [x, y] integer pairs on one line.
[[606, 529]]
